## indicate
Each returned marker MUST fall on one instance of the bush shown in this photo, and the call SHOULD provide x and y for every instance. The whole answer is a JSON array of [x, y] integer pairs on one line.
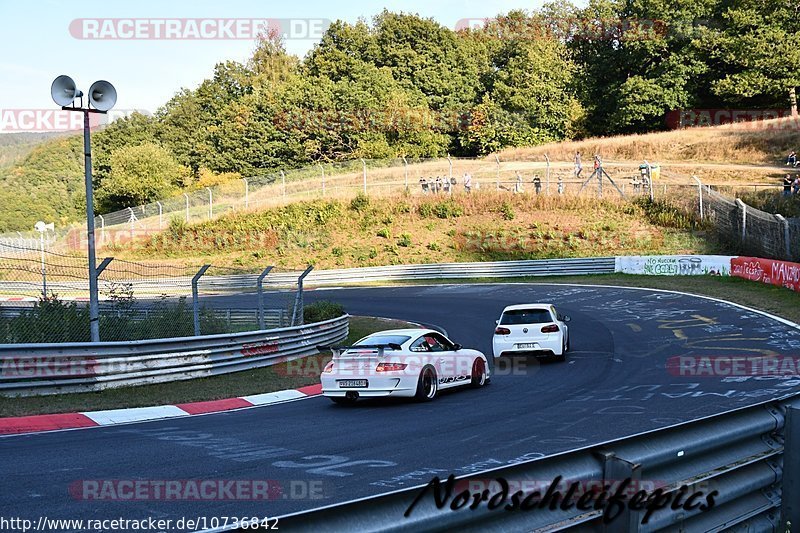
[[322, 310], [384, 232], [360, 203], [507, 211], [404, 240]]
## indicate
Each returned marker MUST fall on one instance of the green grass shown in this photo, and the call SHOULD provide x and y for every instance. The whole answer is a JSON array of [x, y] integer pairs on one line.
[[269, 379]]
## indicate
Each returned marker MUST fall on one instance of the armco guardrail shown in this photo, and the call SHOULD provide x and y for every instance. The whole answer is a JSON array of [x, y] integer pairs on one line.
[[750, 457], [33, 369]]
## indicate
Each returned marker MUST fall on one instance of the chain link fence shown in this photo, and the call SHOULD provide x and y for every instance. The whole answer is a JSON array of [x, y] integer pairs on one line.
[[44, 298]]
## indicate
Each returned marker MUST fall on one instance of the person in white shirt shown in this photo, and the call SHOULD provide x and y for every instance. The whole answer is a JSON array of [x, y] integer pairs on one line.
[[467, 182]]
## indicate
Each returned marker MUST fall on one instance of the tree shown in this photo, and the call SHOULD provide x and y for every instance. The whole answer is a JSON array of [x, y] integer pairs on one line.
[[139, 174]]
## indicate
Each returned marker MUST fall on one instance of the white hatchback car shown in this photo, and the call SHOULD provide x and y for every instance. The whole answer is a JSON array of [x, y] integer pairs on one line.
[[531, 329], [414, 363]]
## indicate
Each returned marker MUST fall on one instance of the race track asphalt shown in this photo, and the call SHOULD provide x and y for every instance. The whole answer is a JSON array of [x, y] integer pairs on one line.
[[613, 384]]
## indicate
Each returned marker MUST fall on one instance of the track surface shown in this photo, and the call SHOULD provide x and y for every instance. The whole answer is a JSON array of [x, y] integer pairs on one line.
[[613, 384]]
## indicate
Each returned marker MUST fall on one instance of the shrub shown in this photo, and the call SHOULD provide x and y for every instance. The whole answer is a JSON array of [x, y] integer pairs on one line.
[[404, 240], [448, 209], [507, 211], [322, 310], [360, 203], [384, 232], [433, 247]]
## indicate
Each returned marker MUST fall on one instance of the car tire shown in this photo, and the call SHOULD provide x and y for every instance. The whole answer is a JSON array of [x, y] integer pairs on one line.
[[479, 378], [427, 385], [343, 400]]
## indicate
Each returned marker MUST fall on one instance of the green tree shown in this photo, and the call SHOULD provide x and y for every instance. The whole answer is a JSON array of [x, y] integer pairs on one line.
[[139, 174]]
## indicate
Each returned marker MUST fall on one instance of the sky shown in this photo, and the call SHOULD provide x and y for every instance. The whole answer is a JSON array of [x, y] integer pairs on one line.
[[45, 38]]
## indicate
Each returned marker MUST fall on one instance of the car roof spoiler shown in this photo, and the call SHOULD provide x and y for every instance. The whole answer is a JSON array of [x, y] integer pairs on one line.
[[377, 347]]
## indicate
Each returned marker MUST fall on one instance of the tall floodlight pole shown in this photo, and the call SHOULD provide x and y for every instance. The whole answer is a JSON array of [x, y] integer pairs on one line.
[[102, 97]]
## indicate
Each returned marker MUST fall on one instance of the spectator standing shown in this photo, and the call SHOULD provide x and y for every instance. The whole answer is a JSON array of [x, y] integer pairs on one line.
[[560, 185], [537, 184], [518, 186], [792, 159], [467, 182], [424, 184], [438, 184], [453, 183], [787, 185], [636, 184], [578, 166], [796, 185], [446, 185], [596, 161]]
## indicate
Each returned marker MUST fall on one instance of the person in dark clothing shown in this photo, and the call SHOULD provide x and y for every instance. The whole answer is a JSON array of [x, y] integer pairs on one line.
[[792, 159], [787, 185]]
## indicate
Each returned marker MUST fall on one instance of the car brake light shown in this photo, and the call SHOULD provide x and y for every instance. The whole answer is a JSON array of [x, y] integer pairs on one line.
[[390, 367], [502, 331], [552, 328], [328, 368]]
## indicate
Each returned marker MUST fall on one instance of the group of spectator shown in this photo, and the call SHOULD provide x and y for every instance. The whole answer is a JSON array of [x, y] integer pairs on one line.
[[791, 160], [444, 184], [791, 186]]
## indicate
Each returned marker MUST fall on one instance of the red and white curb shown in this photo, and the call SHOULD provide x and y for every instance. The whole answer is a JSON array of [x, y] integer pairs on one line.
[[38, 423]]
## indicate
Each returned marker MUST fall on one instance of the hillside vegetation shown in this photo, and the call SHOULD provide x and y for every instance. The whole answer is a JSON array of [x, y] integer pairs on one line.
[[403, 230]]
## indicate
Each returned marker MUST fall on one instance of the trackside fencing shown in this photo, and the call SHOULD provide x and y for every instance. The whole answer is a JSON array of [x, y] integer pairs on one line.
[[36, 369], [750, 457]]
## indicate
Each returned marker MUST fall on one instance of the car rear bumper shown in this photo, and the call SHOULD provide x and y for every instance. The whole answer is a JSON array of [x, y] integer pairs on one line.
[[503, 348], [378, 386]]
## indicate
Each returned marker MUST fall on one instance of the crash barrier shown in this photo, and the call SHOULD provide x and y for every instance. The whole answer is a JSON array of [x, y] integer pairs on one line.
[[737, 470], [36, 369]]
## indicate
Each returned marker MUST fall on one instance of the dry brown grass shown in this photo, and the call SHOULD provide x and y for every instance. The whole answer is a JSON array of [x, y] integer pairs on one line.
[[765, 142]]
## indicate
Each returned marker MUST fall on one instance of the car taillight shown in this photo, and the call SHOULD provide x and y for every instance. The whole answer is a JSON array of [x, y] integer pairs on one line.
[[552, 328], [328, 368], [390, 367], [502, 331]]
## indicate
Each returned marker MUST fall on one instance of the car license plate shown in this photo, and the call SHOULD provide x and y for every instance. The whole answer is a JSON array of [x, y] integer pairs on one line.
[[352, 383], [527, 346]]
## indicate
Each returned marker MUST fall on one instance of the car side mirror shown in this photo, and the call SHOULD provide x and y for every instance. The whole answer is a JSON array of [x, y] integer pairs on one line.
[[456, 347], [496, 322]]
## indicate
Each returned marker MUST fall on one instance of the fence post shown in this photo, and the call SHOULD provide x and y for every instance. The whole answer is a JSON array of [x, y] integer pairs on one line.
[[246, 192], [790, 499], [405, 171], [102, 229], [497, 182], [196, 300], [450, 163], [283, 183], [160, 215], [787, 244], [131, 220], [364, 164], [615, 470], [210, 204], [743, 207], [187, 206], [699, 194], [547, 175], [322, 169], [649, 180], [297, 318], [260, 290]]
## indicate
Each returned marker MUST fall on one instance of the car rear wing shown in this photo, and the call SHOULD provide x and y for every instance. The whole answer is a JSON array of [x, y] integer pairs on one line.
[[370, 348]]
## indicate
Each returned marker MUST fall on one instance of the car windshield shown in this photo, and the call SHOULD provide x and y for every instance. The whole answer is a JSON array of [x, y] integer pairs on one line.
[[525, 316], [382, 339]]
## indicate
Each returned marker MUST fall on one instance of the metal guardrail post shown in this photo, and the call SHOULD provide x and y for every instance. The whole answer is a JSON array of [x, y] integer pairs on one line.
[[297, 318], [497, 182], [616, 470], [210, 204], [160, 215], [743, 207], [196, 300], [260, 289], [790, 498], [699, 194], [787, 244]]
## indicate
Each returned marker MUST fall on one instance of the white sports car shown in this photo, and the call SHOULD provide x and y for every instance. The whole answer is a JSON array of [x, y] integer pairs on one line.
[[531, 329], [401, 362]]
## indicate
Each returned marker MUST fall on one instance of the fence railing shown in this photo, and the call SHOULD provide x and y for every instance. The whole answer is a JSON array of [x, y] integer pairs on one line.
[[747, 460], [36, 369]]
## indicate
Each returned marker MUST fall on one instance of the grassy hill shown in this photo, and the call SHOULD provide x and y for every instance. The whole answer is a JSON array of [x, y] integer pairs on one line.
[[431, 229]]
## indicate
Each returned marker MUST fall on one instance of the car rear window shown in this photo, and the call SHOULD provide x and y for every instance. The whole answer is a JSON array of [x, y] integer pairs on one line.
[[383, 339], [525, 316]]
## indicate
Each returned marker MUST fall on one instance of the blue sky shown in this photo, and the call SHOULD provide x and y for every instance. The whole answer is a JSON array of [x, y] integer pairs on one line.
[[38, 45]]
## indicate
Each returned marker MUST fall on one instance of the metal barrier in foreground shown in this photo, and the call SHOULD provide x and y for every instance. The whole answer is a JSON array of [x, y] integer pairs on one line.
[[36, 369], [748, 460]]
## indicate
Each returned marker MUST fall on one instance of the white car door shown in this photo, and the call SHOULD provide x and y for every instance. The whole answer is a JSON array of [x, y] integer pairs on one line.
[[452, 367]]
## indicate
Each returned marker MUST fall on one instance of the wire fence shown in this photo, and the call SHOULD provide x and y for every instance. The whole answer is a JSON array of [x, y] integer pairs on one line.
[[43, 298]]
